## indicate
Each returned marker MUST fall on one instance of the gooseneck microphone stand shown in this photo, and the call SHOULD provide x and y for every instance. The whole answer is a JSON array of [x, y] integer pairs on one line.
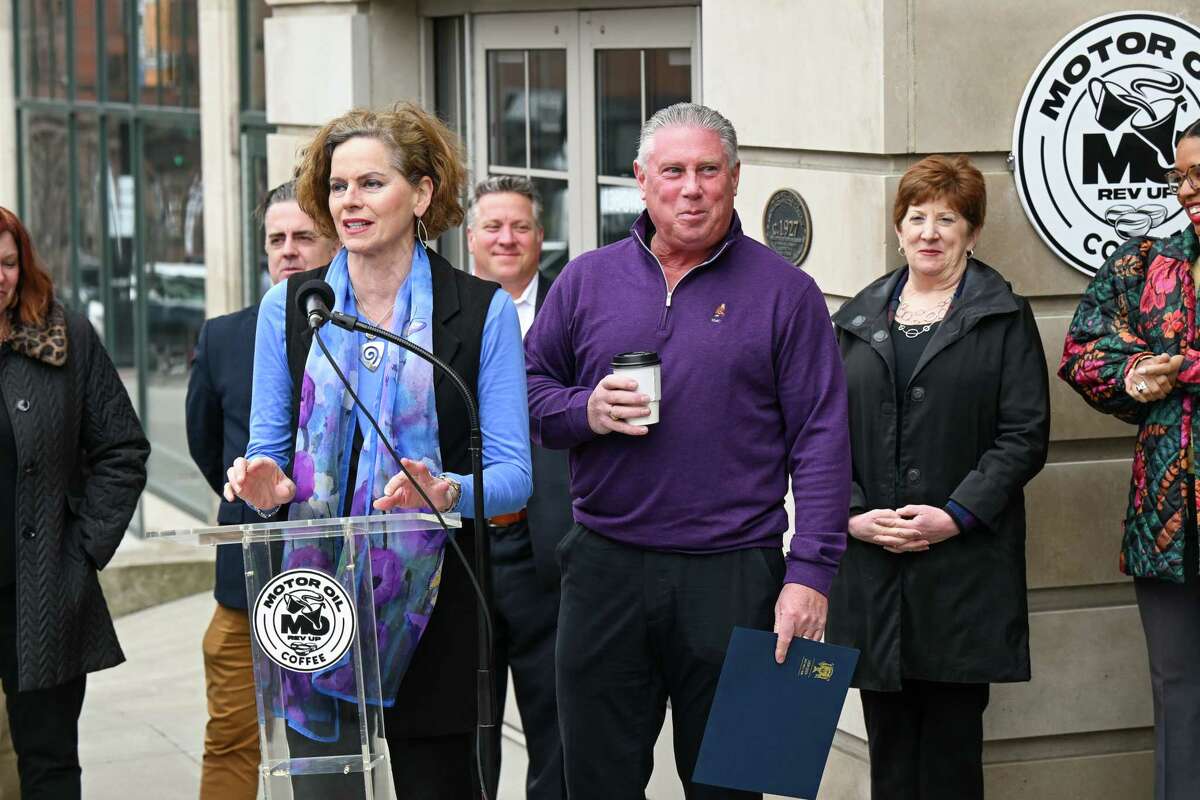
[[486, 743]]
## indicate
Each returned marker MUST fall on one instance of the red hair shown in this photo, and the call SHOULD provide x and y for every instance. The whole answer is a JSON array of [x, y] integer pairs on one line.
[[951, 178], [35, 290]]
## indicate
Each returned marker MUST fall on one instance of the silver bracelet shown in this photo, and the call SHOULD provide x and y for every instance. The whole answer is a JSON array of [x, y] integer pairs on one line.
[[264, 513], [455, 492]]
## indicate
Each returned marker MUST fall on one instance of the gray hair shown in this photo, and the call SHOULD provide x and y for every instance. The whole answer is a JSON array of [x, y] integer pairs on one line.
[[283, 193], [688, 115], [505, 184]]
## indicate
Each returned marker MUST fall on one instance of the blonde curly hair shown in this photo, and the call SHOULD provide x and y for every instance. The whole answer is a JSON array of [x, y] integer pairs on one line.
[[421, 146]]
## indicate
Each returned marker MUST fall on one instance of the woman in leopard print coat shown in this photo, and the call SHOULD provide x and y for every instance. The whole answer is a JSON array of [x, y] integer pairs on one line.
[[72, 465]]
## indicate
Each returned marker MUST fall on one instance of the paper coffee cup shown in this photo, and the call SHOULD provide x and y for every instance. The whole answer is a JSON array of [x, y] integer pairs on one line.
[[645, 368]]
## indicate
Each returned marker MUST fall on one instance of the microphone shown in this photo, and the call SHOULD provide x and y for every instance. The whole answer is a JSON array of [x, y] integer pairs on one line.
[[314, 299]]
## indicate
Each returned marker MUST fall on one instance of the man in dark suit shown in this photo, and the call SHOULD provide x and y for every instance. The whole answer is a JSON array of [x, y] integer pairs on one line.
[[504, 233], [218, 428]]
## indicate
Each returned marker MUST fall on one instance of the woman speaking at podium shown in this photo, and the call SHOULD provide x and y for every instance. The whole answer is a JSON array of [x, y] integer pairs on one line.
[[385, 184]]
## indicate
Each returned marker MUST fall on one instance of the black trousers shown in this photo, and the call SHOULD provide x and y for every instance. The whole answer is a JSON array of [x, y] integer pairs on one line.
[[635, 628], [1171, 619], [926, 741], [525, 618], [44, 722]]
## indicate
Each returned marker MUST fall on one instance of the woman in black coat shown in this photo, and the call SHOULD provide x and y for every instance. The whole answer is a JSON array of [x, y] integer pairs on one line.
[[72, 465], [949, 419]]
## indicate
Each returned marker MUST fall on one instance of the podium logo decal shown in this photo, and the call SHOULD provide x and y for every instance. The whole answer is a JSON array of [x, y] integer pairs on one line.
[[304, 620], [1096, 130]]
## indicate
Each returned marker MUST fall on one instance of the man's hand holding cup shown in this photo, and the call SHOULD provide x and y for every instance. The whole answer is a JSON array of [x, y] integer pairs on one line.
[[614, 400], [627, 400]]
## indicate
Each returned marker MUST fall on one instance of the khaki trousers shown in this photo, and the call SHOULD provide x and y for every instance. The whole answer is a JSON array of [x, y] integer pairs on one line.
[[10, 786], [231, 757]]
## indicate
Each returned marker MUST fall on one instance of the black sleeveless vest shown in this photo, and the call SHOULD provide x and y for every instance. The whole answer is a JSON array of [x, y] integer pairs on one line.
[[437, 694]]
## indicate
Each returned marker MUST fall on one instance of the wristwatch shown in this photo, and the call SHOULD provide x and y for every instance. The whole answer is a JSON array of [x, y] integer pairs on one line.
[[455, 491]]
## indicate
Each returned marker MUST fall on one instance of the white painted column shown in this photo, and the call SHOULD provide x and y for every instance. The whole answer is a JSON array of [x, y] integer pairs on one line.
[[221, 155], [326, 58], [8, 113]]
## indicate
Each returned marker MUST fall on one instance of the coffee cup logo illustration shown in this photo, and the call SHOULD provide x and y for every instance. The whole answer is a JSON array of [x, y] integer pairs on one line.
[[1096, 131], [304, 620]]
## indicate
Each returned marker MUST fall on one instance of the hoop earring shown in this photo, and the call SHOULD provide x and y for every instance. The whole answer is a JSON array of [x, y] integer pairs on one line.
[[970, 252], [900, 249], [423, 233]]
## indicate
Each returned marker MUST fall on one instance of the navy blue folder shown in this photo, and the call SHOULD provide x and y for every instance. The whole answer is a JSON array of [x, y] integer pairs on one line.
[[771, 725]]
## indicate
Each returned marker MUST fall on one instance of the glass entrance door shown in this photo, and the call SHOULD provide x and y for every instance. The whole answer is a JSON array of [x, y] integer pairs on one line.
[[561, 98], [525, 66], [633, 64]]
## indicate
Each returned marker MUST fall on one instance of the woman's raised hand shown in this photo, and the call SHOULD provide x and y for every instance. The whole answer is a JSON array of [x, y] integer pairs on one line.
[[399, 492], [260, 482]]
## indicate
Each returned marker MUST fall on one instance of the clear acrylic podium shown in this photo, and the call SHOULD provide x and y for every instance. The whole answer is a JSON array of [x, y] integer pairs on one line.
[[312, 623]]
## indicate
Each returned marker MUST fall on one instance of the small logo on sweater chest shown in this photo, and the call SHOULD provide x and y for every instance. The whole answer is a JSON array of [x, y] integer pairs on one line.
[[719, 314]]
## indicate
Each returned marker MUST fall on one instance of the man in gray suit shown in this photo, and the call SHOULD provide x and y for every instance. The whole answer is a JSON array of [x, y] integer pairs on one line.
[[504, 233]]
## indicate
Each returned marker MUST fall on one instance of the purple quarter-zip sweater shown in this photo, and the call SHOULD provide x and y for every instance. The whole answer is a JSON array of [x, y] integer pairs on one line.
[[752, 392]]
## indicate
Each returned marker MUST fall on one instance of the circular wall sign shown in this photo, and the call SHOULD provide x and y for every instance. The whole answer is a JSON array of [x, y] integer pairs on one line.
[[1096, 130], [787, 226], [304, 620]]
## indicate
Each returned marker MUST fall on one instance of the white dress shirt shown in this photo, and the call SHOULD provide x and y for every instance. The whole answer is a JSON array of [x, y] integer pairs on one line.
[[526, 304]]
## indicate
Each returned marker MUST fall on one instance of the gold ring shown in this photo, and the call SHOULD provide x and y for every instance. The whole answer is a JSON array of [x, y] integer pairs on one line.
[[612, 414]]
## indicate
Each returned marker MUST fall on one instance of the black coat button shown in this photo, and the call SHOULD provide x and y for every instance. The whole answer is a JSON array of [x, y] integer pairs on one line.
[[917, 393], [22, 404], [858, 321], [914, 475], [879, 336], [30, 469], [29, 533]]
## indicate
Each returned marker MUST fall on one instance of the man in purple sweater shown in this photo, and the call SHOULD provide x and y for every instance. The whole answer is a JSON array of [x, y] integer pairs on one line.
[[680, 524]]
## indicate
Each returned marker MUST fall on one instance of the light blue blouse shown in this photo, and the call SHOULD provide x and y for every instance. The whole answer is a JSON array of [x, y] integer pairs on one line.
[[503, 408]]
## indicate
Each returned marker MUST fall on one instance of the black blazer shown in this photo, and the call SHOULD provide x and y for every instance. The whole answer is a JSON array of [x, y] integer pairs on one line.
[[437, 694], [549, 506], [218, 428]]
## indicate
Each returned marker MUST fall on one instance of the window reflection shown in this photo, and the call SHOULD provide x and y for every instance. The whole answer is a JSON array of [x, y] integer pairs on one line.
[[506, 108], [548, 109], [668, 78], [48, 193], [173, 275], [120, 306], [256, 91], [256, 255], [619, 207], [618, 110], [90, 246], [87, 76], [168, 53], [555, 253], [43, 40], [449, 100], [116, 50]]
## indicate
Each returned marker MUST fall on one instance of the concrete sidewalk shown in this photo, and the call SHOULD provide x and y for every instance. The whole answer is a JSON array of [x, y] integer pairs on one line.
[[141, 734]]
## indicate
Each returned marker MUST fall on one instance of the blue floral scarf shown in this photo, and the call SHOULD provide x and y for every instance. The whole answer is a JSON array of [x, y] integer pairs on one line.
[[406, 569]]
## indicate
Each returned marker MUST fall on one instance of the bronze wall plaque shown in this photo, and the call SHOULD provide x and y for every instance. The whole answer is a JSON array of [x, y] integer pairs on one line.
[[787, 226]]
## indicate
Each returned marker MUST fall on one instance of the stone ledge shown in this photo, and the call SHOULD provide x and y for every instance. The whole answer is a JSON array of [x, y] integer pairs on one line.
[[146, 573]]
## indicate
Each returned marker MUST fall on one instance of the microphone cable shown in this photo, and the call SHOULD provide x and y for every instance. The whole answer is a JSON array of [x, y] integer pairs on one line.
[[481, 530]]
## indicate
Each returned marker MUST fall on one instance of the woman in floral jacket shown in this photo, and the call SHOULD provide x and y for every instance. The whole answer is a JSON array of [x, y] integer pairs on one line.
[[1133, 350]]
